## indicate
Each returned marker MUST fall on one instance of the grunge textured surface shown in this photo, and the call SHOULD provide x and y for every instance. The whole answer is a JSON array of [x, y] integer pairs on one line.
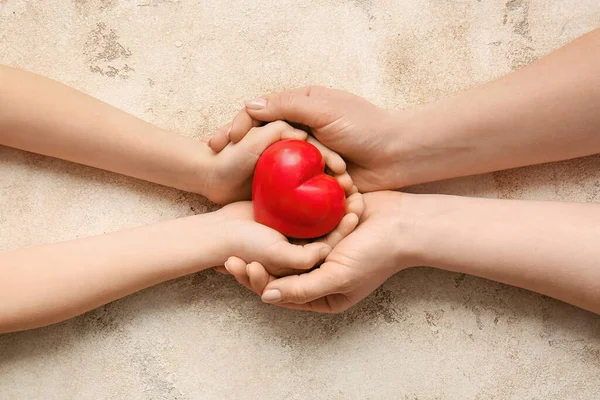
[[187, 66]]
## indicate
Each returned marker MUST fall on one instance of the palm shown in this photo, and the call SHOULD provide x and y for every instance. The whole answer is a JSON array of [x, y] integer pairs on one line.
[[347, 126], [361, 262], [354, 128], [271, 248], [362, 155]]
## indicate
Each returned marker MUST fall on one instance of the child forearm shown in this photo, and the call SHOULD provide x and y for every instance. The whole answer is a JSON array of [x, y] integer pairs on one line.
[[50, 283], [548, 247], [46, 117]]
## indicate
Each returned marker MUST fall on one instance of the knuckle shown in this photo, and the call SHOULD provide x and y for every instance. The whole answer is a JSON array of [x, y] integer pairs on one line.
[[287, 100], [253, 130], [298, 294], [280, 126], [307, 260]]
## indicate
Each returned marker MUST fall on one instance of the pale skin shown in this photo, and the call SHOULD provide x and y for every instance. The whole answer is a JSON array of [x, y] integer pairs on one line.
[[547, 111], [46, 284]]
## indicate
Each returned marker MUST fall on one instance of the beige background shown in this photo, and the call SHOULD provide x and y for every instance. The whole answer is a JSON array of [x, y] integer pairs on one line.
[[187, 65]]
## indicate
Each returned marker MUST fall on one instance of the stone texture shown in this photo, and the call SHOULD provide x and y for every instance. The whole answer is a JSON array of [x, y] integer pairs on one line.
[[187, 65]]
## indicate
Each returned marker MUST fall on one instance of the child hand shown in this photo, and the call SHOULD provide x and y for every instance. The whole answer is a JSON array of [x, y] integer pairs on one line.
[[250, 240], [231, 170]]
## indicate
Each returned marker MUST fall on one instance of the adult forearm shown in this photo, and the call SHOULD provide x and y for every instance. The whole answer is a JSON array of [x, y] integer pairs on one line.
[[544, 112], [46, 117], [548, 247], [50, 283]]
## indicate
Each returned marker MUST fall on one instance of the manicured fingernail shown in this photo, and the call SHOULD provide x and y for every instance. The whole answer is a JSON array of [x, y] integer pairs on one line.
[[229, 131], [271, 296], [256, 104], [227, 268]]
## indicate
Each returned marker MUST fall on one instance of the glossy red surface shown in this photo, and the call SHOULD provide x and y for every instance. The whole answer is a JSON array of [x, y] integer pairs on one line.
[[292, 194]]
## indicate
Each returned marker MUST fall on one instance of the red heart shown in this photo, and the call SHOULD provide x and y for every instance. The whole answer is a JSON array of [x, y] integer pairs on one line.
[[292, 194]]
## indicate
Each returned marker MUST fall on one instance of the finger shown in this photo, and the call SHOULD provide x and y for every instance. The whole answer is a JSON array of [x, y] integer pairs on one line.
[[285, 256], [345, 182], [220, 139], [258, 139], [355, 207], [332, 159], [237, 267], [258, 277], [305, 105], [355, 204], [300, 289], [221, 270], [344, 228], [241, 125]]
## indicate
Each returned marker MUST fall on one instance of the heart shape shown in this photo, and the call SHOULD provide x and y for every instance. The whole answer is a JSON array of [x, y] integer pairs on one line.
[[292, 194]]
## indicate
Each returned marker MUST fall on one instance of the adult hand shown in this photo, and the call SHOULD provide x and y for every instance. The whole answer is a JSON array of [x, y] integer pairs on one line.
[[362, 133], [379, 247], [250, 240]]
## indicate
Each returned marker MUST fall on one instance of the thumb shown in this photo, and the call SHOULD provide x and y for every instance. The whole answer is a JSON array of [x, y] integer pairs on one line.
[[287, 258], [306, 106], [258, 139], [300, 289]]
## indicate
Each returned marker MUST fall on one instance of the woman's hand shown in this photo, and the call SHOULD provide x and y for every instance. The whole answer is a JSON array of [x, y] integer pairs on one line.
[[250, 240], [379, 247], [364, 134]]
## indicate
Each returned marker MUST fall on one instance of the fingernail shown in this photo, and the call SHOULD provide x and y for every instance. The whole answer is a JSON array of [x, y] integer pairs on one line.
[[229, 131], [227, 268], [208, 143], [256, 104], [271, 296]]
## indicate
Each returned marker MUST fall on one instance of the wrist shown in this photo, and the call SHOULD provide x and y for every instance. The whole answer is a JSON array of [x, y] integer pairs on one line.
[[413, 217], [428, 144], [436, 221], [195, 166], [201, 240], [405, 148], [393, 218]]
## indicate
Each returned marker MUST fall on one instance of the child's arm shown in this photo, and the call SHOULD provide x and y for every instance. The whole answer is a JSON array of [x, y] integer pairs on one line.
[[46, 117], [50, 283]]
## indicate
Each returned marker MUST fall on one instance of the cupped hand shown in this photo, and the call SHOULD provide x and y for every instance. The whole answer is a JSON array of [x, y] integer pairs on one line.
[[379, 247], [279, 255]]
